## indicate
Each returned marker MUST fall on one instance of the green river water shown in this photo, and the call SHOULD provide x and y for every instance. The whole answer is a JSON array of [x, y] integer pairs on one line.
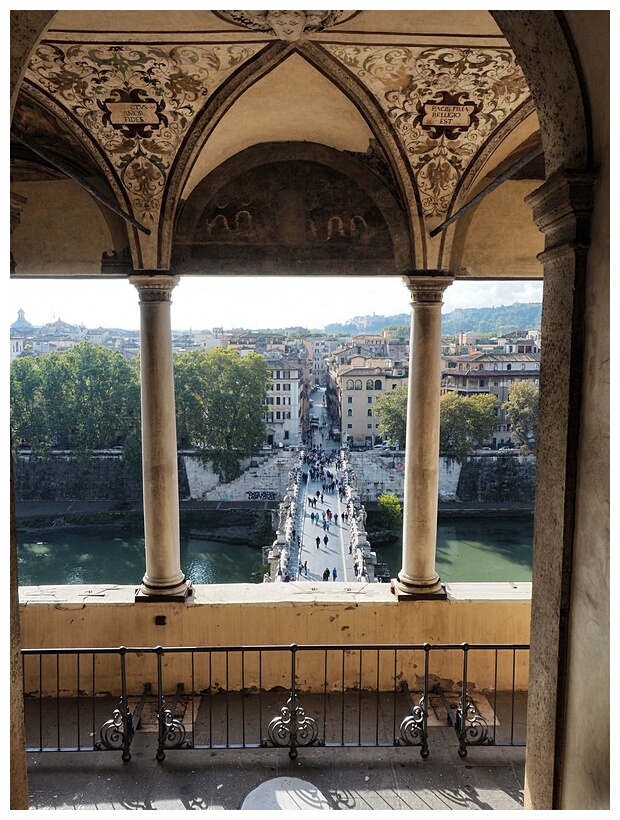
[[468, 550]]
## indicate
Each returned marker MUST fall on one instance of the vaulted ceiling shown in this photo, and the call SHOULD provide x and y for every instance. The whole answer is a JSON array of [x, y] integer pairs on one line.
[[206, 142]]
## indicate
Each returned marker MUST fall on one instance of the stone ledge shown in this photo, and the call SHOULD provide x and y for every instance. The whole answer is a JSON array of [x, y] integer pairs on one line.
[[293, 592]]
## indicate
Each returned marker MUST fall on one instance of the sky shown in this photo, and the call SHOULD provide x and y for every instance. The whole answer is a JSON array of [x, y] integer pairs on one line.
[[248, 302]]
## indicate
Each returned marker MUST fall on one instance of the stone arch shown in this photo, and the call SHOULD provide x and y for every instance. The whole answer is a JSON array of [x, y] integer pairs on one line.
[[541, 43], [251, 72], [348, 243]]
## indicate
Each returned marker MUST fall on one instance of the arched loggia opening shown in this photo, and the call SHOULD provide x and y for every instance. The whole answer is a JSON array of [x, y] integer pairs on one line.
[[567, 618]]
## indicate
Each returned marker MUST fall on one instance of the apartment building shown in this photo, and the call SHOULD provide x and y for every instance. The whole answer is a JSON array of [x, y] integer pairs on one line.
[[360, 386], [490, 373], [286, 415]]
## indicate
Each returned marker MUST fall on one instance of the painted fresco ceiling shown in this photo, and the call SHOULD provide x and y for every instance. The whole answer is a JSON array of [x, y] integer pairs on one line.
[[133, 106]]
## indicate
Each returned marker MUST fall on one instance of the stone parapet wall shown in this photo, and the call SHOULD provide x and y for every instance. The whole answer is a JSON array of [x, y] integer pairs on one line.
[[276, 614]]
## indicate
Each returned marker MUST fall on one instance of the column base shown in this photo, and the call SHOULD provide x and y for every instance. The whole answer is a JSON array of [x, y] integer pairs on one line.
[[410, 592], [161, 596]]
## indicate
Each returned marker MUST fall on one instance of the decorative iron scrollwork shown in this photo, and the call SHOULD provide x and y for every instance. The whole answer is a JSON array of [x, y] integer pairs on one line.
[[112, 733], [473, 728], [412, 729], [293, 727], [173, 732]]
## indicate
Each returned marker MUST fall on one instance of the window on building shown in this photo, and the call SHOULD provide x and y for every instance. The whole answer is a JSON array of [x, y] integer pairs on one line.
[[496, 383], [522, 367], [277, 386], [278, 400], [482, 382], [369, 384], [269, 399], [349, 412], [286, 374], [349, 399], [358, 384], [369, 413], [349, 426], [369, 399], [350, 384], [378, 385], [508, 366], [278, 414], [369, 426], [286, 434], [286, 415], [286, 387]]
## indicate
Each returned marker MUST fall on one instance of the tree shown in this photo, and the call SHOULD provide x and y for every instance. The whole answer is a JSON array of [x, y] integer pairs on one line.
[[391, 511], [392, 411], [82, 399], [464, 422], [221, 401], [522, 409], [28, 421]]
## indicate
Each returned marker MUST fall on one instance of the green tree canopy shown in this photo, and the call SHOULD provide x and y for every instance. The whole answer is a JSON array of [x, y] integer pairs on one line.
[[465, 421], [221, 400], [522, 409], [391, 511], [83, 399], [392, 411]]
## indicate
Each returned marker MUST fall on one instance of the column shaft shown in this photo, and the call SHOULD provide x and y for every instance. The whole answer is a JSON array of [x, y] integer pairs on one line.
[[418, 574], [163, 576]]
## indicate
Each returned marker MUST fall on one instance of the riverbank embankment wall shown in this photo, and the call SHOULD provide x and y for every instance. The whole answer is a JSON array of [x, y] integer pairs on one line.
[[489, 478]]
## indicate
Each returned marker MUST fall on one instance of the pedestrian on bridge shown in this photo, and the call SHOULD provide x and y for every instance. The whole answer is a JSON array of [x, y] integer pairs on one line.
[[334, 574], [318, 542], [326, 541]]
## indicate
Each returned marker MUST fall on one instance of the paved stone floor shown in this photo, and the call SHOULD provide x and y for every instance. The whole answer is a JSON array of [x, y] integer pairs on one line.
[[387, 778]]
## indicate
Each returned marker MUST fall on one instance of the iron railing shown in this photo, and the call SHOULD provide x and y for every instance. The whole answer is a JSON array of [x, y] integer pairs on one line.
[[237, 697]]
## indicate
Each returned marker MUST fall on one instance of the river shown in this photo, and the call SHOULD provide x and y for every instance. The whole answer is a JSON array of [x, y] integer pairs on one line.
[[468, 550]]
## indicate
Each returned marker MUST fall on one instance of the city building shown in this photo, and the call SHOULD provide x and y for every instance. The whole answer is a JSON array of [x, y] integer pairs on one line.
[[434, 147], [286, 415], [493, 373], [353, 391]]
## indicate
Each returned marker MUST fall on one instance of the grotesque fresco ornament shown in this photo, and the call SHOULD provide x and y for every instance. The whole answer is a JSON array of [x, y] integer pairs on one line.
[[137, 102], [444, 104], [287, 25]]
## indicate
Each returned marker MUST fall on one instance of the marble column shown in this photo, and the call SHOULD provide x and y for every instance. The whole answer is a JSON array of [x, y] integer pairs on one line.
[[418, 577], [163, 578]]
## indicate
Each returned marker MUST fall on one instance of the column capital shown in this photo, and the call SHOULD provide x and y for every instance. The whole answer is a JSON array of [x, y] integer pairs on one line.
[[428, 286], [562, 209], [155, 287]]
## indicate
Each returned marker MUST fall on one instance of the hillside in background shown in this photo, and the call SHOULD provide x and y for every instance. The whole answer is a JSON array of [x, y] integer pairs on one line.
[[495, 320]]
